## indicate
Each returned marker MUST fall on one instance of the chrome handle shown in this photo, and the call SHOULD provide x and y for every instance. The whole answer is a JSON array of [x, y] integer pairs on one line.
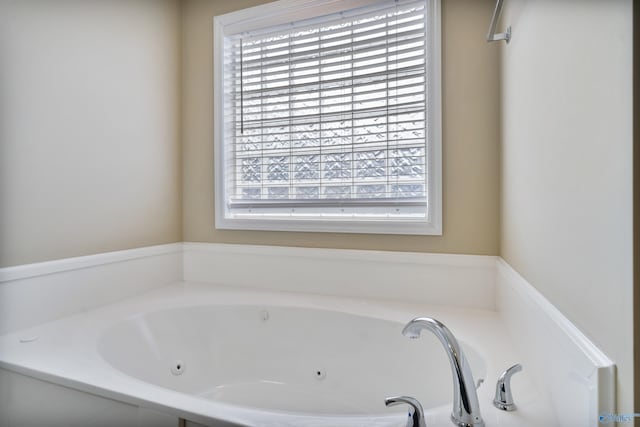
[[416, 413], [504, 399]]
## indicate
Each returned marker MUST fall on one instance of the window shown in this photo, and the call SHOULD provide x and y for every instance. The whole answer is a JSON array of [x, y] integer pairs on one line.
[[327, 117]]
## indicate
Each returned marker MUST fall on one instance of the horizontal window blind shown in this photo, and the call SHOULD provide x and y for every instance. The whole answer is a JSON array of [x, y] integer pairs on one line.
[[329, 116]]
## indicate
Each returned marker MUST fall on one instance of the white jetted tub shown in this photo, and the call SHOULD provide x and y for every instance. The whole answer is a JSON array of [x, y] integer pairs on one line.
[[293, 359], [224, 357]]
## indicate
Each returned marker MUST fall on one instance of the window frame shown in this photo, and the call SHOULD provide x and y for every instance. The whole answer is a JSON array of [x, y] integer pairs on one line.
[[282, 11]]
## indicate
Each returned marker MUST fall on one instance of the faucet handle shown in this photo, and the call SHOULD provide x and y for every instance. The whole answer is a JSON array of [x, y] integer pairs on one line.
[[416, 413], [504, 399]]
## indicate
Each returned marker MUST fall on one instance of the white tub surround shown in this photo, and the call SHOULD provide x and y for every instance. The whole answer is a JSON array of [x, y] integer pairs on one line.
[[37, 293], [441, 279], [566, 380], [563, 360]]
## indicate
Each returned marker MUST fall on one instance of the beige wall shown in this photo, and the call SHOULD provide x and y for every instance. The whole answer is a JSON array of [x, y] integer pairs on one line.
[[89, 127], [567, 165], [470, 146]]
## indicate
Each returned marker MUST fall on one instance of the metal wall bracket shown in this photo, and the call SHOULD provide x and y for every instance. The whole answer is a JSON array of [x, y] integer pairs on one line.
[[491, 35]]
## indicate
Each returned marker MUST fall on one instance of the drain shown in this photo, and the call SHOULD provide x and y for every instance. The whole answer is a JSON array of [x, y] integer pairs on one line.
[[178, 367], [320, 374]]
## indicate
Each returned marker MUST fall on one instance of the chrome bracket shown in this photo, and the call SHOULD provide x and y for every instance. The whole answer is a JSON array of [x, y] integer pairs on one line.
[[491, 34]]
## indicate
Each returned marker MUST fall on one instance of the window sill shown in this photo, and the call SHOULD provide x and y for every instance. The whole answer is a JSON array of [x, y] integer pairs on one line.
[[364, 226]]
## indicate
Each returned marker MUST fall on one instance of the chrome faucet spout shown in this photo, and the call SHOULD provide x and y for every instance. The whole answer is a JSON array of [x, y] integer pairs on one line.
[[466, 409]]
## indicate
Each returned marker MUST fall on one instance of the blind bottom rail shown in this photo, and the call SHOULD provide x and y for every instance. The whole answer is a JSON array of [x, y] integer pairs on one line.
[[326, 203]]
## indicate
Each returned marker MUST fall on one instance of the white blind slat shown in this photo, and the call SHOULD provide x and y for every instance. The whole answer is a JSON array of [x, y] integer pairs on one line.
[[329, 52], [365, 15], [326, 84], [299, 66]]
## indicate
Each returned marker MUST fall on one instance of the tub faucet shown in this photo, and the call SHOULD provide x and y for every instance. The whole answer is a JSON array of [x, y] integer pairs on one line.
[[416, 413], [504, 398], [466, 410]]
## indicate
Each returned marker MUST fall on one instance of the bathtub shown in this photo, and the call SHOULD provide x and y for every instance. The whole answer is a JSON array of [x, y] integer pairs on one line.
[[220, 356]]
